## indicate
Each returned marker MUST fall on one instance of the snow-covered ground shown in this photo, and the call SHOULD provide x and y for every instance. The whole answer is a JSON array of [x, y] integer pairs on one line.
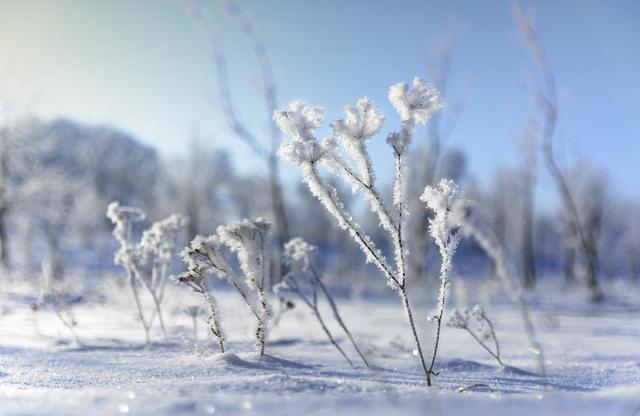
[[593, 360]]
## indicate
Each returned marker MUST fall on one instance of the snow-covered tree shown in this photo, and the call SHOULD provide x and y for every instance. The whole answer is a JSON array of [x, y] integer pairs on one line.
[[345, 155]]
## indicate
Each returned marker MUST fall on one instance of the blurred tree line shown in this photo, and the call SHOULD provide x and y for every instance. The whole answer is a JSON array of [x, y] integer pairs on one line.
[[58, 177]]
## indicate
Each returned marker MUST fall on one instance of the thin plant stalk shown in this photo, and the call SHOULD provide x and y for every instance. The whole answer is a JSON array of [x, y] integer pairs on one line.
[[336, 315], [136, 296], [313, 305]]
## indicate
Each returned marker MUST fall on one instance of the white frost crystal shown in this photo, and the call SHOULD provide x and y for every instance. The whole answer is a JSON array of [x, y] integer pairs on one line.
[[415, 104], [299, 120]]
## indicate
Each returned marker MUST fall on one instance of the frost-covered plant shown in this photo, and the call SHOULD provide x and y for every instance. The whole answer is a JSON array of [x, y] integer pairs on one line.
[[349, 140], [148, 261], [463, 215], [194, 312], [159, 243], [478, 325], [443, 200], [197, 259], [249, 239], [303, 281]]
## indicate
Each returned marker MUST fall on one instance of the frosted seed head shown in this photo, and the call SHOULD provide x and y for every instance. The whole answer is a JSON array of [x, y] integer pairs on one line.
[[459, 319], [299, 120], [160, 239], [298, 251], [399, 140], [298, 151], [360, 122], [415, 104], [118, 213]]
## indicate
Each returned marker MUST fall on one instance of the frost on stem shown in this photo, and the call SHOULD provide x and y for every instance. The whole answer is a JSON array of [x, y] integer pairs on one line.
[[148, 261], [443, 199], [345, 155], [249, 240], [415, 104], [196, 257], [303, 282], [478, 325]]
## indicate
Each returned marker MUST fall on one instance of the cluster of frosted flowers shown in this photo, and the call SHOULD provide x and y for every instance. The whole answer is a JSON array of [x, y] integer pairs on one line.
[[158, 240], [346, 155], [300, 121], [161, 237]]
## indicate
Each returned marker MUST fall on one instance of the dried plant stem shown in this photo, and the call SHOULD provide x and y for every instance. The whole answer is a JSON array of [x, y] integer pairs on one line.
[[156, 303], [336, 315], [136, 296], [444, 273], [407, 307], [313, 305], [495, 355], [495, 338]]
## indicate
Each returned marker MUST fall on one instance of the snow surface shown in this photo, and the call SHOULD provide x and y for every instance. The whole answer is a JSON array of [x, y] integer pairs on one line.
[[593, 360]]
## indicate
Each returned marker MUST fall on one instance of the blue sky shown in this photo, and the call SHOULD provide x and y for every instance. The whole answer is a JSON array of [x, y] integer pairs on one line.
[[142, 65]]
